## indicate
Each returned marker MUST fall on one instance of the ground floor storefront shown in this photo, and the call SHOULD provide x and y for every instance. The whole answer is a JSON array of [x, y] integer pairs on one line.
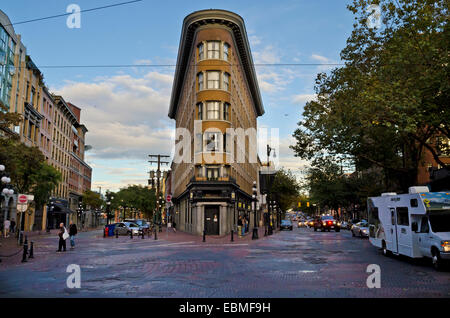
[[214, 208]]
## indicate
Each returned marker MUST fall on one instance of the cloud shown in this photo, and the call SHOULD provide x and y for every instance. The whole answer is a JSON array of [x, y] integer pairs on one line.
[[268, 55], [126, 116], [303, 98], [320, 58]]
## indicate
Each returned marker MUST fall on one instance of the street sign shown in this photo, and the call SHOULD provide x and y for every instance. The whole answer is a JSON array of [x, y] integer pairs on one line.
[[22, 198], [22, 207], [168, 198]]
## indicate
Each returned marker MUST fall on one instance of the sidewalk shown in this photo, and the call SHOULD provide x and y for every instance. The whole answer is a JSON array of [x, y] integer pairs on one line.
[[171, 236], [11, 252]]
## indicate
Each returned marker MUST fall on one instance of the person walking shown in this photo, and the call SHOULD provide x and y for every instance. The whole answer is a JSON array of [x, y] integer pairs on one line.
[[174, 226], [6, 226], [62, 238], [72, 232]]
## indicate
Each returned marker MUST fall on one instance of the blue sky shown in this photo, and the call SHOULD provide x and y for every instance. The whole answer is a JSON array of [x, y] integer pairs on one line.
[[125, 109]]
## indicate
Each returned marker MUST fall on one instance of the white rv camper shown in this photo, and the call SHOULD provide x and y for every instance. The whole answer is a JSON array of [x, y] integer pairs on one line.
[[416, 224]]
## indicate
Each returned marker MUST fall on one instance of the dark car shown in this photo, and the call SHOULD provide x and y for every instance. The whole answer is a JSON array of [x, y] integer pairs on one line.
[[286, 225], [327, 223]]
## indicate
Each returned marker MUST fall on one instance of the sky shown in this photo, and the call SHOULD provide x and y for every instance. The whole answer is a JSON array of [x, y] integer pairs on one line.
[[125, 108]]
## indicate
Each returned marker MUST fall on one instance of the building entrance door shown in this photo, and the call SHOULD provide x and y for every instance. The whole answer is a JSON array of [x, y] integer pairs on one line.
[[212, 219]]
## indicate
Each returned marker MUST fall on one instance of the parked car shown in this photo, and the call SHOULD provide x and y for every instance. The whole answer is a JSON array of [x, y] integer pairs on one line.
[[143, 223], [344, 225], [286, 225], [124, 228], [360, 229], [326, 223]]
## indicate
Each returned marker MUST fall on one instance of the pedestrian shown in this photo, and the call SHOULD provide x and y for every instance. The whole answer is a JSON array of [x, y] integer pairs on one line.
[[6, 225], [174, 226], [12, 227], [63, 235], [240, 226], [72, 232]]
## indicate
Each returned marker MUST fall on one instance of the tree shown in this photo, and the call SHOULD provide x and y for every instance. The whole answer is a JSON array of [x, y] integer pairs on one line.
[[92, 199], [136, 196], [28, 170], [8, 119], [284, 188], [389, 103], [46, 179]]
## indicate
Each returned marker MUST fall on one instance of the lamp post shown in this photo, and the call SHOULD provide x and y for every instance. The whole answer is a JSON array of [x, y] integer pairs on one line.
[[255, 201], [233, 201], [7, 190]]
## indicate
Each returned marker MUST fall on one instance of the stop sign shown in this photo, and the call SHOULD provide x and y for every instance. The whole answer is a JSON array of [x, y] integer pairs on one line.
[[22, 198], [168, 198]]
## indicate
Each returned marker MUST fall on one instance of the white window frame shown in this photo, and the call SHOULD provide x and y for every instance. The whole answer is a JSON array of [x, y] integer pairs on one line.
[[211, 83]]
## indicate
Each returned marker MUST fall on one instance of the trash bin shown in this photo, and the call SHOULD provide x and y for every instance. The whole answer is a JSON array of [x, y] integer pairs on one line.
[[111, 228]]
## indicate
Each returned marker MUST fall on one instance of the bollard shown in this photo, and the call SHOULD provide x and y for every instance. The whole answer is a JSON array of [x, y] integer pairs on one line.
[[117, 233], [104, 232], [232, 238], [131, 234], [156, 236], [204, 236], [31, 250], [148, 232], [25, 251]]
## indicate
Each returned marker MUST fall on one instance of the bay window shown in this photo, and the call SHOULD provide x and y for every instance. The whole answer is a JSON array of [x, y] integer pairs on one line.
[[213, 110], [201, 53], [226, 81], [226, 111], [226, 49], [213, 79], [212, 141], [213, 49], [200, 81], [200, 111]]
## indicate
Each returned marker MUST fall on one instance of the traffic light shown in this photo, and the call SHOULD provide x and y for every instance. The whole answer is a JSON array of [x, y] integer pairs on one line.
[[299, 204], [307, 204]]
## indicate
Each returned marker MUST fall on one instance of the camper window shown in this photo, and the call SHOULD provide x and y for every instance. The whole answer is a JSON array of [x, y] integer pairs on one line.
[[402, 216], [414, 203], [424, 227], [440, 222]]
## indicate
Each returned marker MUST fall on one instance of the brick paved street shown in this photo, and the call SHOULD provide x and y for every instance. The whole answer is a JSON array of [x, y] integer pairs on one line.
[[301, 263]]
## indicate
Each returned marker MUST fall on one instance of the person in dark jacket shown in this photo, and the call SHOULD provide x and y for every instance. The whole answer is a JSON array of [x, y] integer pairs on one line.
[[62, 241], [72, 232]]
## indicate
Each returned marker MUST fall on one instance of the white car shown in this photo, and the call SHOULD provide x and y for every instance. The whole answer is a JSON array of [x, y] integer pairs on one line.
[[360, 229]]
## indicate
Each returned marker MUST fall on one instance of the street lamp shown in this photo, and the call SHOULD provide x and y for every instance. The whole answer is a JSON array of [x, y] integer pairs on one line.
[[255, 200], [233, 201], [7, 190]]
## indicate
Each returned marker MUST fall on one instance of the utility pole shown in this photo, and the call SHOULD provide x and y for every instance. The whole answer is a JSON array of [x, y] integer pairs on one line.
[[158, 175]]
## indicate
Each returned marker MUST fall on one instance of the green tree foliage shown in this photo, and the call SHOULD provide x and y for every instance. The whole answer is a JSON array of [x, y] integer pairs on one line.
[[92, 199], [29, 172], [284, 189], [390, 100], [331, 188], [7, 120], [139, 197]]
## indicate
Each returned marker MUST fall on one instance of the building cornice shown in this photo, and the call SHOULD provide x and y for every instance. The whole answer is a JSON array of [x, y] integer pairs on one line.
[[190, 26]]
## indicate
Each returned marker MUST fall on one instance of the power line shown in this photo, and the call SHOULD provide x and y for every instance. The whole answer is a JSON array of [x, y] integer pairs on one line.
[[174, 65], [66, 14]]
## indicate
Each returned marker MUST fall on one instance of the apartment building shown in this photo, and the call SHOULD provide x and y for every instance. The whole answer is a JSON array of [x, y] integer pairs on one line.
[[215, 91]]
